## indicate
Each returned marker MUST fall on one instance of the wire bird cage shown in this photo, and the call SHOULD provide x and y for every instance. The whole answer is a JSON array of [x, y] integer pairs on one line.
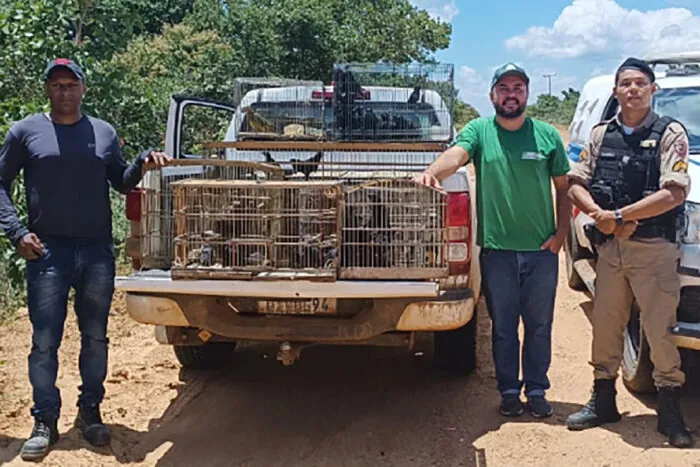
[[243, 220], [155, 228], [365, 102], [390, 102], [225, 228], [391, 229]]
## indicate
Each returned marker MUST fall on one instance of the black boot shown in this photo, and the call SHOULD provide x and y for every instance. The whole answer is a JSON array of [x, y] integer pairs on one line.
[[89, 422], [44, 434], [600, 409], [670, 420]]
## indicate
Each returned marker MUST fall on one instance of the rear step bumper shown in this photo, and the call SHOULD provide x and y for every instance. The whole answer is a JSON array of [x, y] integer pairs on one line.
[[163, 284], [234, 317], [687, 335]]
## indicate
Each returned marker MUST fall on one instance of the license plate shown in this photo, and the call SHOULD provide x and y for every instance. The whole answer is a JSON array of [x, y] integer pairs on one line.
[[312, 306]]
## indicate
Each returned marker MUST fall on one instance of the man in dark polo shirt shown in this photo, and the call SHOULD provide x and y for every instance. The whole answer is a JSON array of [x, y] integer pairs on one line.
[[69, 161]]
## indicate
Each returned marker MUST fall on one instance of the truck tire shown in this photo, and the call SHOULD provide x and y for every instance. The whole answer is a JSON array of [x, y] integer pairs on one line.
[[573, 254], [637, 367], [205, 357], [455, 351]]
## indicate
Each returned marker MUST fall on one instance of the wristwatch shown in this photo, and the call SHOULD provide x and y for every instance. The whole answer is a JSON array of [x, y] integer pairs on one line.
[[618, 217]]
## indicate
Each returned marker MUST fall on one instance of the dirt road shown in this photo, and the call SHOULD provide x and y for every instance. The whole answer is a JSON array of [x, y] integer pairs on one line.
[[336, 407]]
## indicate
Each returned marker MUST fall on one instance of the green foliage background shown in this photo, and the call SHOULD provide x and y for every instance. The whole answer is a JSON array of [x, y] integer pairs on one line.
[[137, 53]]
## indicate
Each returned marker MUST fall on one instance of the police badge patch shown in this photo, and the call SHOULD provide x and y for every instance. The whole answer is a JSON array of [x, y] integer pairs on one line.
[[680, 166]]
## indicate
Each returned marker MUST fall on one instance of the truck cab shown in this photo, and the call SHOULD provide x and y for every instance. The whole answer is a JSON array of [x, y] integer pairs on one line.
[[237, 241], [678, 96]]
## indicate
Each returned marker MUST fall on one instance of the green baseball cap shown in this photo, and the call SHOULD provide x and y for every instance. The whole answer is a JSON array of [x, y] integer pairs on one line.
[[509, 69]]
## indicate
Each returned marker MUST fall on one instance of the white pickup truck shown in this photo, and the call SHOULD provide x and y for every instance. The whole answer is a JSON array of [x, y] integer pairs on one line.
[[204, 312], [678, 97]]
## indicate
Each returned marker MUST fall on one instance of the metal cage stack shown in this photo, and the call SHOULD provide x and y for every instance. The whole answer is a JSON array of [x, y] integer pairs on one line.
[[244, 229], [390, 102], [155, 229], [393, 229], [313, 182]]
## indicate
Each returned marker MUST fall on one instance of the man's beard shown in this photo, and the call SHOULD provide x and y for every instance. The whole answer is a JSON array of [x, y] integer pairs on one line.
[[501, 111]]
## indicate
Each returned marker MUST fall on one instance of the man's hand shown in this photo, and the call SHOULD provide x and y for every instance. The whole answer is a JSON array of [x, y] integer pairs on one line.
[[158, 158], [605, 221], [428, 179], [553, 244], [626, 230], [29, 247]]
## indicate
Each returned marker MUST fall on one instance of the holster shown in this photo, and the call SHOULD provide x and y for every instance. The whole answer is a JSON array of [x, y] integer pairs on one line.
[[595, 236]]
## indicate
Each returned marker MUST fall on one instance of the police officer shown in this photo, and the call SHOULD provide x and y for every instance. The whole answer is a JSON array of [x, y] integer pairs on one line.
[[632, 180]]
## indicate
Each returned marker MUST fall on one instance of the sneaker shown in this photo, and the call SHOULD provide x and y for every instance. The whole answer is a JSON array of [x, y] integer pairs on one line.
[[539, 407], [512, 406], [89, 422], [44, 434]]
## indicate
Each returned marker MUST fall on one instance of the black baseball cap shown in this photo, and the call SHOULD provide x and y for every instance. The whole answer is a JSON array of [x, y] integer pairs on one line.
[[509, 69], [636, 64], [69, 65]]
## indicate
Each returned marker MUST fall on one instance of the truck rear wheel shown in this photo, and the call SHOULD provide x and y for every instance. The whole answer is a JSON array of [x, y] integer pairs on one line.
[[637, 367], [455, 351], [205, 357]]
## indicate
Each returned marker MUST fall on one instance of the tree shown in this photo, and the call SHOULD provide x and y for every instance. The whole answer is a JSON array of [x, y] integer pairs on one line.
[[555, 110]]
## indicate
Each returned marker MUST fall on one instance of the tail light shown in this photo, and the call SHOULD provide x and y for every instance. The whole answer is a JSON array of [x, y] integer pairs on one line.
[[133, 205], [459, 232]]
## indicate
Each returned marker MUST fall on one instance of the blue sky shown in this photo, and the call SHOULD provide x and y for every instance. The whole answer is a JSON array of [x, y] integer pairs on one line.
[[576, 39]]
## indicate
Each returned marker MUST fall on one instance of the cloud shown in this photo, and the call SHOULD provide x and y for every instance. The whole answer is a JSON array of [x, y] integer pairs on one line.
[[604, 28], [444, 10], [474, 89]]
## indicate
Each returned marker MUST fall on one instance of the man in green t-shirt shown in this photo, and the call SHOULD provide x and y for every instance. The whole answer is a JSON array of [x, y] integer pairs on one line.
[[516, 159]]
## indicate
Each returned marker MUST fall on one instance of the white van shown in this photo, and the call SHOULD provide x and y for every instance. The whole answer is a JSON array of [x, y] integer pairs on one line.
[[678, 97]]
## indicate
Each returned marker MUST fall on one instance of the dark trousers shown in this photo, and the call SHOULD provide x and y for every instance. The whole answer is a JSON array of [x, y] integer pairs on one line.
[[521, 285], [88, 268]]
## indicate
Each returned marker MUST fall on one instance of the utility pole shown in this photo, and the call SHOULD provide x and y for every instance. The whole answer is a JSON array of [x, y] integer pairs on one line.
[[549, 78]]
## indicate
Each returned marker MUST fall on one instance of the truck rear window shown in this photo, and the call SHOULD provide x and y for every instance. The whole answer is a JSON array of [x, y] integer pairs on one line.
[[316, 118]]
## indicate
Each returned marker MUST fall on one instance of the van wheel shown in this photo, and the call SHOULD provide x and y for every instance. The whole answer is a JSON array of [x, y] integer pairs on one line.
[[205, 357], [573, 254], [455, 351], [637, 368]]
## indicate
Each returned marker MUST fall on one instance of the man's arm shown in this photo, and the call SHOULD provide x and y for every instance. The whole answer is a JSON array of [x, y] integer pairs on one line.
[[124, 177], [12, 159], [581, 198], [444, 166], [455, 157]]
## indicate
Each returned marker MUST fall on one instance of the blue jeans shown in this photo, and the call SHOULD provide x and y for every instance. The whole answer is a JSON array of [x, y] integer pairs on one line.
[[87, 267], [521, 284]]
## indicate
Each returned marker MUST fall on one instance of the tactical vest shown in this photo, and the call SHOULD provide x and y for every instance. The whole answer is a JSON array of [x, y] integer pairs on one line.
[[627, 170]]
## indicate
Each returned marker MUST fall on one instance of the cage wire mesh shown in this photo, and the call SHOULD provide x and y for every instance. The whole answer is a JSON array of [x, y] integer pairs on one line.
[[364, 102], [245, 226], [391, 102], [156, 219], [391, 229], [313, 181]]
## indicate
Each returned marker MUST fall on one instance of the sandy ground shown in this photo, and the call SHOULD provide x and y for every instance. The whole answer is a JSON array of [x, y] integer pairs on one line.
[[337, 406]]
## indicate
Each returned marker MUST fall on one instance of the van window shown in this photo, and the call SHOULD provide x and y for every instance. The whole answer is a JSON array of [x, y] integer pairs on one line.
[[683, 104]]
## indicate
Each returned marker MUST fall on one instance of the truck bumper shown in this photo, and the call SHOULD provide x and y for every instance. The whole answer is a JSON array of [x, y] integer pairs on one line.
[[359, 317], [687, 335]]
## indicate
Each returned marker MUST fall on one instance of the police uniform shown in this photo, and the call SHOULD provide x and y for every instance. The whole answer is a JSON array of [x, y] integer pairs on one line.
[[619, 170]]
